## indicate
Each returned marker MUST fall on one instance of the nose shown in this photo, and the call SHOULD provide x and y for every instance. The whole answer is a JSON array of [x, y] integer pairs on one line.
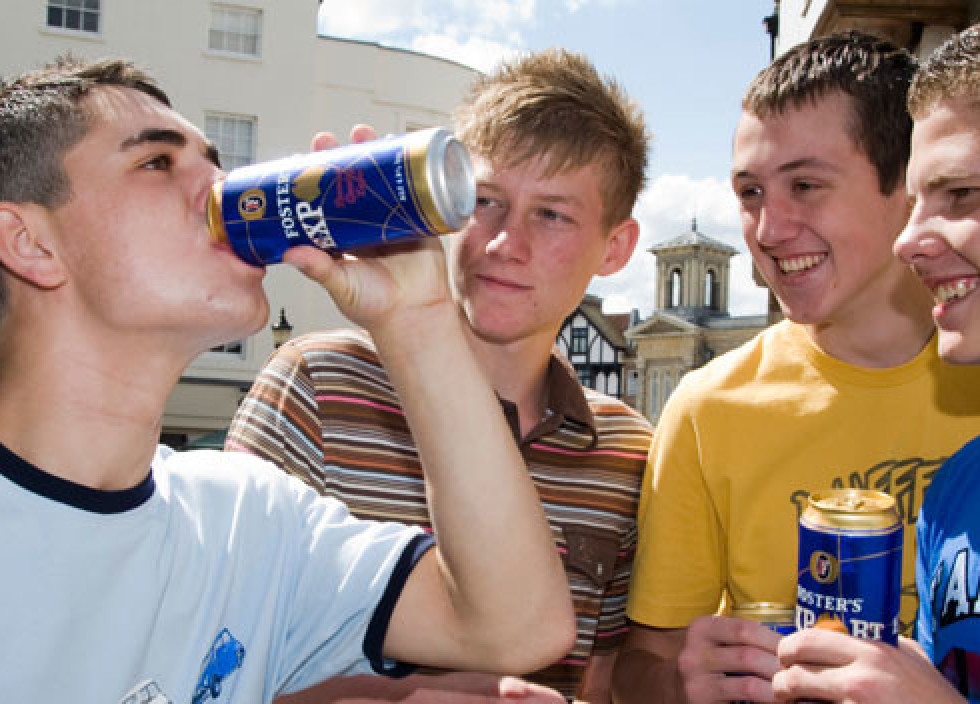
[[511, 240], [920, 238], [776, 223]]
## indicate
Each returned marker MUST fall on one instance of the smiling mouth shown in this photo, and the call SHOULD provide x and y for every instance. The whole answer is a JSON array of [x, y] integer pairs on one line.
[[796, 265], [954, 290]]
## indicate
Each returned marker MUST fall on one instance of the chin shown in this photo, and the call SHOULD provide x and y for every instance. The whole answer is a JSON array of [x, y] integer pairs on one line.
[[957, 349]]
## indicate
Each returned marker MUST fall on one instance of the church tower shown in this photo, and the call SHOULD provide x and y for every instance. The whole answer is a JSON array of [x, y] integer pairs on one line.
[[691, 323], [693, 275]]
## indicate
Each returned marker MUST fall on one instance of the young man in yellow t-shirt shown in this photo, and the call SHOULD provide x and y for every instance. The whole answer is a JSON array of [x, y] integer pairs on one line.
[[848, 390], [942, 245]]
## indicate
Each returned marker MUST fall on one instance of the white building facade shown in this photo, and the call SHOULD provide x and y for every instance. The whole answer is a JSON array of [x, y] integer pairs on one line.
[[256, 78]]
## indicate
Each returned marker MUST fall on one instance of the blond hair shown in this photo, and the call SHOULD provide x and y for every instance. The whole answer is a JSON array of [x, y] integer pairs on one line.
[[555, 104]]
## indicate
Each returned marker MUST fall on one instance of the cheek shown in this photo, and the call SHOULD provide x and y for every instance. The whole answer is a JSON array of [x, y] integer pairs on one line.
[[964, 239]]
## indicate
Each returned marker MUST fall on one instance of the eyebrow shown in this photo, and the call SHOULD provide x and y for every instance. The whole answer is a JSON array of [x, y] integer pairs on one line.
[[941, 181], [809, 162], [163, 135]]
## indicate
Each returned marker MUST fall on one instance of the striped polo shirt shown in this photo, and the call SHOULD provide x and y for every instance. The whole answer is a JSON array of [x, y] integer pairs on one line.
[[324, 410]]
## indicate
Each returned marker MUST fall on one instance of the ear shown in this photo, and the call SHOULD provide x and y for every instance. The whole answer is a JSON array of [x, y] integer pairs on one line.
[[620, 243], [24, 249]]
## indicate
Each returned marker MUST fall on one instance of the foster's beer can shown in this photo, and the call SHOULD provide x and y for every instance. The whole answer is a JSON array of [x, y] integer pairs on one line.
[[850, 564], [387, 190]]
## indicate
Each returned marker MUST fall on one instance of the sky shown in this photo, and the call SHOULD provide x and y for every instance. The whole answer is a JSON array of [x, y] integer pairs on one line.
[[685, 62]]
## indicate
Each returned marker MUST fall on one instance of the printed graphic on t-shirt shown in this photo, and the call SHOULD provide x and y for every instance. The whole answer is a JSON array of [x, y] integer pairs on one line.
[[224, 657], [146, 692]]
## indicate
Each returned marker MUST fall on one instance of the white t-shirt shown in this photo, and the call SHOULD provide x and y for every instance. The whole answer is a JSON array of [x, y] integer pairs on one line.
[[218, 578]]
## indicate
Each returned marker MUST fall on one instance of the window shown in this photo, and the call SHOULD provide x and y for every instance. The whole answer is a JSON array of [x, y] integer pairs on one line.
[[580, 340], [234, 136], [235, 348], [584, 377], [82, 15], [674, 290], [235, 30], [654, 401], [710, 289]]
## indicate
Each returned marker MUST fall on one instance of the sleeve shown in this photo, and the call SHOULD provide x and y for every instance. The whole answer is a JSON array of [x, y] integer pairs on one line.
[[279, 421], [678, 572], [349, 574], [924, 566]]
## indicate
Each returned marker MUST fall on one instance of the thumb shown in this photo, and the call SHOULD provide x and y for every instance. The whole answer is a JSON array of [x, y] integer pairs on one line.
[[319, 266]]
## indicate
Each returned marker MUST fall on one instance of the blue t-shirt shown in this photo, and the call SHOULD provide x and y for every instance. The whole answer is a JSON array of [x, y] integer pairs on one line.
[[948, 570], [218, 578]]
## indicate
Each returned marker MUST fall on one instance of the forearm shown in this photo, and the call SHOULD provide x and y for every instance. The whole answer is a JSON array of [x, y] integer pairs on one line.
[[642, 677], [449, 688], [484, 508]]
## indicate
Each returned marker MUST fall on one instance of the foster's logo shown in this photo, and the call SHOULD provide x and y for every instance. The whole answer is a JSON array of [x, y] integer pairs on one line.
[[823, 567], [251, 204]]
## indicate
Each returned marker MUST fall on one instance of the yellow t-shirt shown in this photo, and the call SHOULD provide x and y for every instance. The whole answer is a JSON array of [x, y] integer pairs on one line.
[[744, 440]]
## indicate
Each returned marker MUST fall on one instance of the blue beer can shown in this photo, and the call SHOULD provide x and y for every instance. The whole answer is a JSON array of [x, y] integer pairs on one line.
[[850, 564], [387, 190]]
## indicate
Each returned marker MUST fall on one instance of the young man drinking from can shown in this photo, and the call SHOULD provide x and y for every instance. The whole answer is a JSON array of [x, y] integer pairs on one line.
[[204, 575]]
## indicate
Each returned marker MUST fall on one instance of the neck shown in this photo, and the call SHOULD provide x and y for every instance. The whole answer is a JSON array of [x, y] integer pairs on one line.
[[884, 336], [83, 412], [518, 372]]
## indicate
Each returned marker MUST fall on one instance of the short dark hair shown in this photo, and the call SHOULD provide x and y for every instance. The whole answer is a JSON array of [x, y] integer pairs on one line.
[[952, 72], [555, 103], [872, 72], [43, 115]]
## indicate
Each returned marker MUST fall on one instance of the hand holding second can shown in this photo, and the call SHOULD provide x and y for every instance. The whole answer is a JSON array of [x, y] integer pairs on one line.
[[728, 659], [822, 665], [375, 284]]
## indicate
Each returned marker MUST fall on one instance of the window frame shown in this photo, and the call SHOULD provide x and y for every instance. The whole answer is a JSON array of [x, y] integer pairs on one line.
[[236, 14], [65, 8]]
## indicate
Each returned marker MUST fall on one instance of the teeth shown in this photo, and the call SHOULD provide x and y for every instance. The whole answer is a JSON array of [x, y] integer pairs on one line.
[[791, 266], [953, 290]]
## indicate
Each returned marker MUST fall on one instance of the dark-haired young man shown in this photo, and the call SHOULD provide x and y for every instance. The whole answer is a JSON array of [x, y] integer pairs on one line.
[[848, 390], [941, 244]]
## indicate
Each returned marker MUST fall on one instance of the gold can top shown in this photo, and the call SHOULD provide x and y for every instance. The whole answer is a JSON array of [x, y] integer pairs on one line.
[[857, 509], [766, 612]]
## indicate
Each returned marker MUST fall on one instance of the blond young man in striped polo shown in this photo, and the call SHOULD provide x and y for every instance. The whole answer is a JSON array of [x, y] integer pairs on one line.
[[560, 154]]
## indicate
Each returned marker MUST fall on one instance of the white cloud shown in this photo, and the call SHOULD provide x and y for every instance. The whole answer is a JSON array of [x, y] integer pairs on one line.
[[666, 209], [481, 54], [397, 23], [479, 33]]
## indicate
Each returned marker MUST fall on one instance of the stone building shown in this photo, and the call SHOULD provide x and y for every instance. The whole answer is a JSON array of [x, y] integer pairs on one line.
[[691, 323], [917, 25]]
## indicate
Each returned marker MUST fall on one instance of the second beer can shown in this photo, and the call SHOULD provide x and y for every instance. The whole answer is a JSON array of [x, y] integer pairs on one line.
[[405, 186], [850, 563], [780, 618]]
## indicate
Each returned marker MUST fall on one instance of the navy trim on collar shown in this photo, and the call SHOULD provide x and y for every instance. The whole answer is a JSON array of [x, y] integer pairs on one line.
[[37, 481]]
